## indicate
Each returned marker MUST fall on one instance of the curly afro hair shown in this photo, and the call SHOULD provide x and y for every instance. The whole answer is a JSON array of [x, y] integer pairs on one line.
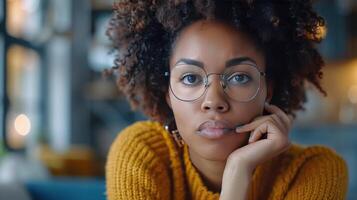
[[143, 33]]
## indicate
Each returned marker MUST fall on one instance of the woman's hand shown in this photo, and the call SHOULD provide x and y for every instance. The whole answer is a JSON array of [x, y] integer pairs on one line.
[[241, 162], [276, 125]]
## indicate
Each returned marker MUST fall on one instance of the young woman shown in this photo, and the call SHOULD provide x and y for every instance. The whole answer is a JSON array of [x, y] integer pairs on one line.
[[221, 82]]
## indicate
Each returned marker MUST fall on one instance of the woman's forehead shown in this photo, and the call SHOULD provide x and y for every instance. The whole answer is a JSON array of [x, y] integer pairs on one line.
[[214, 43]]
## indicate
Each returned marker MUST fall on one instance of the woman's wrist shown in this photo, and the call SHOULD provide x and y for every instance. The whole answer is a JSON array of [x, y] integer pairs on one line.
[[238, 162], [236, 181]]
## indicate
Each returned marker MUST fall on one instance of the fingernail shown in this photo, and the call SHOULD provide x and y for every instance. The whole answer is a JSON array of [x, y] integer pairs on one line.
[[238, 127], [250, 139]]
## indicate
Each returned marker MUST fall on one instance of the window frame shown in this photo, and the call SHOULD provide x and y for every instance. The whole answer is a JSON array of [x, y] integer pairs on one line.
[[8, 41]]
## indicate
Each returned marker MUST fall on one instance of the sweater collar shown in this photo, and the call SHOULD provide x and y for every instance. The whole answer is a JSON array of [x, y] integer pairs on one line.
[[198, 189]]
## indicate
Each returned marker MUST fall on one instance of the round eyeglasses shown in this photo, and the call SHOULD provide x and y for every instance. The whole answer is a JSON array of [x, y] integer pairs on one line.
[[240, 82]]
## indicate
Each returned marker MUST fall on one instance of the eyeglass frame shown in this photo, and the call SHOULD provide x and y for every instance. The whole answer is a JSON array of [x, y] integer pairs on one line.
[[222, 80]]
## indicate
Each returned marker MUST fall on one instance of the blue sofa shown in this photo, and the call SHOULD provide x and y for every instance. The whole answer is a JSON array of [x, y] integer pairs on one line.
[[55, 189], [67, 188]]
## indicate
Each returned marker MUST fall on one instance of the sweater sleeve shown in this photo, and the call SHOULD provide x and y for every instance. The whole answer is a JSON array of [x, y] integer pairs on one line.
[[133, 169], [323, 176]]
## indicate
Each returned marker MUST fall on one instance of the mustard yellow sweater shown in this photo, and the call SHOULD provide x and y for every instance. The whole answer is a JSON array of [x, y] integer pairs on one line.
[[145, 163]]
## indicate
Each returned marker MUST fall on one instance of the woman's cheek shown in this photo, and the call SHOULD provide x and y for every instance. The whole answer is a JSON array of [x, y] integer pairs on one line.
[[184, 114]]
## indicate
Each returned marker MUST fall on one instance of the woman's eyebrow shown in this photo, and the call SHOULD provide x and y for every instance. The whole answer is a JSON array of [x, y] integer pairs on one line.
[[229, 63], [190, 62], [239, 60]]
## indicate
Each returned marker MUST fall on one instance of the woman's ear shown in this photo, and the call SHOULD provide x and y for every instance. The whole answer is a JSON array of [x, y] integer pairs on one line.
[[168, 100]]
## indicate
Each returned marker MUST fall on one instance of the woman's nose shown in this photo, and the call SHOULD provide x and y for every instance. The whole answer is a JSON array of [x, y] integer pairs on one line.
[[215, 98]]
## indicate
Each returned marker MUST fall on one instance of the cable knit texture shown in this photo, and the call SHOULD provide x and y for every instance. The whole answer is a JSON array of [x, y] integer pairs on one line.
[[144, 162]]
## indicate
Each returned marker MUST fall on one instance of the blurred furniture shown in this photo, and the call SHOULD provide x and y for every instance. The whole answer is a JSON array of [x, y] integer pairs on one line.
[[66, 188], [79, 161]]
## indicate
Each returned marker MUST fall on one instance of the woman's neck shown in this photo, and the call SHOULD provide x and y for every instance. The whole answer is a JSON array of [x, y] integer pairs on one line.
[[211, 171]]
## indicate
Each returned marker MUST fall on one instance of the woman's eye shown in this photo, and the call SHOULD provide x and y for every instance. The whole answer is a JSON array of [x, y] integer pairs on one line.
[[239, 79], [190, 79]]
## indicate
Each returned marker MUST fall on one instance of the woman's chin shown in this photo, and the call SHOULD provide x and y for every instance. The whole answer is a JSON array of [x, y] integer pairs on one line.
[[216, 151]]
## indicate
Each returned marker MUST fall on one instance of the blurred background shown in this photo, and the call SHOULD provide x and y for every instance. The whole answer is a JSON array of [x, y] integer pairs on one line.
[[59, 115]]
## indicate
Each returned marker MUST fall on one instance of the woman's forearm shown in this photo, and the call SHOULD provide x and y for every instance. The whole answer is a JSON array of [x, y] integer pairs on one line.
[[235, 182]]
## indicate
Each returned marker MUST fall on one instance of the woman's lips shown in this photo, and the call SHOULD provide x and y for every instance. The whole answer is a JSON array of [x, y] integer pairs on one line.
[[213, 133], [213, 129]]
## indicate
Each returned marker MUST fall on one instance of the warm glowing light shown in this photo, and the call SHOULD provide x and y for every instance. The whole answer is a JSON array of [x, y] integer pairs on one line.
[[321, 33], [352, 94], [22, 125]]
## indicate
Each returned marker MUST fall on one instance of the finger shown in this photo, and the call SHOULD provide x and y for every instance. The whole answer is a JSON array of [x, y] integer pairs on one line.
[[275, 109], [252, 125], [281, 124], [291, 118], [275, 117], [256, 135], [265, 128]]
